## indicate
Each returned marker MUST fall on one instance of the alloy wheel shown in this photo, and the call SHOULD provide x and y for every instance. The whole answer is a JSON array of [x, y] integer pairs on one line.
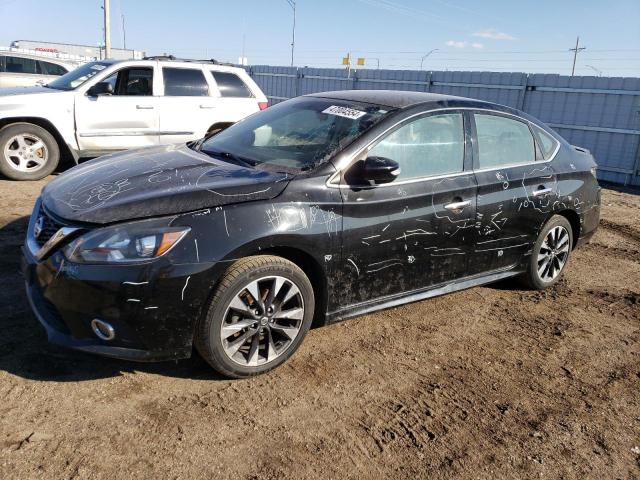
[[262, 321], [26, 152], [553, 253]]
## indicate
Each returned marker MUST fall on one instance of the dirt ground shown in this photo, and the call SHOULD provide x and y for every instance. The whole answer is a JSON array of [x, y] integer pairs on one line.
[[494, 382]]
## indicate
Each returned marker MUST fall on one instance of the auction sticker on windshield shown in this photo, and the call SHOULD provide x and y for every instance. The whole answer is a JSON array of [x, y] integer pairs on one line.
[[345, 112]]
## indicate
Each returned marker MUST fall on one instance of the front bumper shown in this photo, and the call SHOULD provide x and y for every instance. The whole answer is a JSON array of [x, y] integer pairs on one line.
[[152, 312]]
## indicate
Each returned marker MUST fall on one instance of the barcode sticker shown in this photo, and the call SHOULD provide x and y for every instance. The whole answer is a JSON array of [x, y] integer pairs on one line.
[[345, 112]]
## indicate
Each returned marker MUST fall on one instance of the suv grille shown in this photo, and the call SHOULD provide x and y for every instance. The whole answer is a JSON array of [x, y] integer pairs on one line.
[[49, 227]]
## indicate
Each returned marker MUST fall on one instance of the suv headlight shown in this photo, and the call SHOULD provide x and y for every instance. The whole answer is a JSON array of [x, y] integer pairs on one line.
[[133, 242]]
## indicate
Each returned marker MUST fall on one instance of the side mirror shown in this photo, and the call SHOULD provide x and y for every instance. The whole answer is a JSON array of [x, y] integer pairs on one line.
[[100, 88], [380, 169]]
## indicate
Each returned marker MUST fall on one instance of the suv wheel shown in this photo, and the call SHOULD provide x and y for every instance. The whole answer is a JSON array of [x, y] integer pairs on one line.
[[550, 254], [27, 152], [258, 317]]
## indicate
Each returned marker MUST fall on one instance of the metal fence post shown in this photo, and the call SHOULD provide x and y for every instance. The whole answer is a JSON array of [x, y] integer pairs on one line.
[[521, 98]]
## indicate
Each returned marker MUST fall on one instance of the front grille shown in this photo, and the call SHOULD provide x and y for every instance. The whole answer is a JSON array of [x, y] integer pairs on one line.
[[49, 227]]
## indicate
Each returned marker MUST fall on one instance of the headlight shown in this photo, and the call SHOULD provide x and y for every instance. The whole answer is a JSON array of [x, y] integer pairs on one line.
[[124, 243]]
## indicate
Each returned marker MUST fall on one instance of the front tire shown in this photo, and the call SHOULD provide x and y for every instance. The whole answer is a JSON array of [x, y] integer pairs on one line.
[[27, 152], [260, 313], [550, 254]]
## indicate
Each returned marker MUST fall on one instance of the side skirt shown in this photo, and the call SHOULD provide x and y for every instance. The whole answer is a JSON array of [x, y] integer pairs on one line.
[[417, 295]]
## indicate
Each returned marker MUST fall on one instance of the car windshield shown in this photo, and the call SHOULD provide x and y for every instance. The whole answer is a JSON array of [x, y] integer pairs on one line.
[[295, 135], [77, 77]]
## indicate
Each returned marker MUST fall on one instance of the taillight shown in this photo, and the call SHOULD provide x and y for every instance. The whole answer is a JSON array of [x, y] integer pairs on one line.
[[263, 105]]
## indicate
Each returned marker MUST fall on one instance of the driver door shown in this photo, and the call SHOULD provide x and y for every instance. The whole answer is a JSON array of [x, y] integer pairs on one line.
[[128, 118], [417, 230]]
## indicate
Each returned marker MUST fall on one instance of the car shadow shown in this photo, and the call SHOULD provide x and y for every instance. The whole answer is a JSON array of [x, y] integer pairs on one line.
[[25, 352]]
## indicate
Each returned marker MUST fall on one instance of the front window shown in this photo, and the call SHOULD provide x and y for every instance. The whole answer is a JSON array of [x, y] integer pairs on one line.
[[79, 76], [136, 81], [429, 146], [297, 135]]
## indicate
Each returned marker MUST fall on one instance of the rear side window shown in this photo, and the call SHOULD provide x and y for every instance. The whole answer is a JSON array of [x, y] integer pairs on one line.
[[429, 146], [231, 85], [547, 143], [503, 141], [184, 82], [48, 68], [20, 65]]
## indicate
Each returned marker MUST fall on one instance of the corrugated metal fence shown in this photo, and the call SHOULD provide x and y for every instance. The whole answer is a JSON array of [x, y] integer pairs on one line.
[[598, 113]]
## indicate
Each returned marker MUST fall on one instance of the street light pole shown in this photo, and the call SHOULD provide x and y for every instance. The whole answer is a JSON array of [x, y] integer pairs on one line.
[[425, 56], [292, 4], [107, 30], [597, 70], [124, 34]]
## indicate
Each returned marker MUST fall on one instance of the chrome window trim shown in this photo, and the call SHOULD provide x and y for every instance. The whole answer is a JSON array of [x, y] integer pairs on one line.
[[347, 162]]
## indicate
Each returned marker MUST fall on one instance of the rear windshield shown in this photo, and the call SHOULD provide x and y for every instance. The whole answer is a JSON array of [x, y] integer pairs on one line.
[[297, 134]]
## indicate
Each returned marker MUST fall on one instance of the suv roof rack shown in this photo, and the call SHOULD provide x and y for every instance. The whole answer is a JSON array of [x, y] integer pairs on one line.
[[167, 58]]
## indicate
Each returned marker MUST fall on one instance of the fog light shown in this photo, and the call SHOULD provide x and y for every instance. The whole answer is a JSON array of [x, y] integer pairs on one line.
[[102, 329]]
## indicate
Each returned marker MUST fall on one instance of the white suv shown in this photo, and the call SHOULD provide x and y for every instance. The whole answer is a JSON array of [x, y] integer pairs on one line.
[[108, 105], [26, 70]]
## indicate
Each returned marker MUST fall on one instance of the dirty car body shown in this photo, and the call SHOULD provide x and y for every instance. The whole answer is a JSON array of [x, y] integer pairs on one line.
[[471, 217]]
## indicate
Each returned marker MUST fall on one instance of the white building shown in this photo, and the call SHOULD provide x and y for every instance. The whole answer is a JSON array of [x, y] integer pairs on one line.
[[93, 52]]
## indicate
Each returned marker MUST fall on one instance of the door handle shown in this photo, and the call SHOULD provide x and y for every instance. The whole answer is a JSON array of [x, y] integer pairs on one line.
[[207, 106], [542, 192], [144, 107], [457, 205]]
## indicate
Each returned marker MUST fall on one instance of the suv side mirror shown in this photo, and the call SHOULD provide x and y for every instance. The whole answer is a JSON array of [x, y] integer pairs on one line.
[[380, 169], [100, 88]]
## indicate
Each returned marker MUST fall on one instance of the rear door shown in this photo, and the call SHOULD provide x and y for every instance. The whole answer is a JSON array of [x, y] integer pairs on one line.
[[187, 107], [126, 119], [516, 190], [416, 231]]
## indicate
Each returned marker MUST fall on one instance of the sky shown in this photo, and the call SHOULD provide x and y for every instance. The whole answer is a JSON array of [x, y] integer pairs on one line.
[[489, 35]]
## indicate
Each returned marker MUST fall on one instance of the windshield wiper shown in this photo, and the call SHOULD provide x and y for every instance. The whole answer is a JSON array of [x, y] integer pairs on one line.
[[243, 161]]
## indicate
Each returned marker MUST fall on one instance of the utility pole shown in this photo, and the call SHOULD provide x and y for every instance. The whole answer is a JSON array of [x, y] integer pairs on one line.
[[292, 4], [124, 34], [425, 56], [107, 30], [575, 54]]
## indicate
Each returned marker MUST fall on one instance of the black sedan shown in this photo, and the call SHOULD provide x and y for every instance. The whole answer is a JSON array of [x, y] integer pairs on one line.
[[317, 209]]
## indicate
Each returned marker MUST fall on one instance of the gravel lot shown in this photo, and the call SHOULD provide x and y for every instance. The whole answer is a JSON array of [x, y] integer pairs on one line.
[[489, 382]]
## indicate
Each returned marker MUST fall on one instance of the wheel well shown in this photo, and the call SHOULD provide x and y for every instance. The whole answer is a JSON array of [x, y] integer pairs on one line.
[[313, 270], [574, 221], [218, 127], [65, 151]]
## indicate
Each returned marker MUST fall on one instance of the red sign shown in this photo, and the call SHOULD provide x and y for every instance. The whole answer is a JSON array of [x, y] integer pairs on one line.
[[42, 49]]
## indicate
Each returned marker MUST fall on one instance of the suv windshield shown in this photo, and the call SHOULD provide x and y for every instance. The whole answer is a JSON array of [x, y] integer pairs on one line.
[[77, 77], [297, 135]]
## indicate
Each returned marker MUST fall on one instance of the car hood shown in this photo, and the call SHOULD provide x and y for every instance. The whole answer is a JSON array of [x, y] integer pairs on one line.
[[26, 90], [153, 182]]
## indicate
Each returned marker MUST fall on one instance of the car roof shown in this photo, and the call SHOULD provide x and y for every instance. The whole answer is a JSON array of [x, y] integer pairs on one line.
[[397, 98]]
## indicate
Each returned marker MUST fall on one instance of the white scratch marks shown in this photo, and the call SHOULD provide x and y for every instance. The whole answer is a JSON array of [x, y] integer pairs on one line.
[[354, 266], [184, 288], [226, 228]]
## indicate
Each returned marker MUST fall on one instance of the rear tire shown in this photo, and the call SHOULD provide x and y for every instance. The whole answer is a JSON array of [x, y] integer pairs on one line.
[[241, 336], [27, 152], [550, 254]]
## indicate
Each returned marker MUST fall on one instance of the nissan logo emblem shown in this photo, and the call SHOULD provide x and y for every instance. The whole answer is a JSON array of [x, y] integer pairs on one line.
[[38, 226]]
